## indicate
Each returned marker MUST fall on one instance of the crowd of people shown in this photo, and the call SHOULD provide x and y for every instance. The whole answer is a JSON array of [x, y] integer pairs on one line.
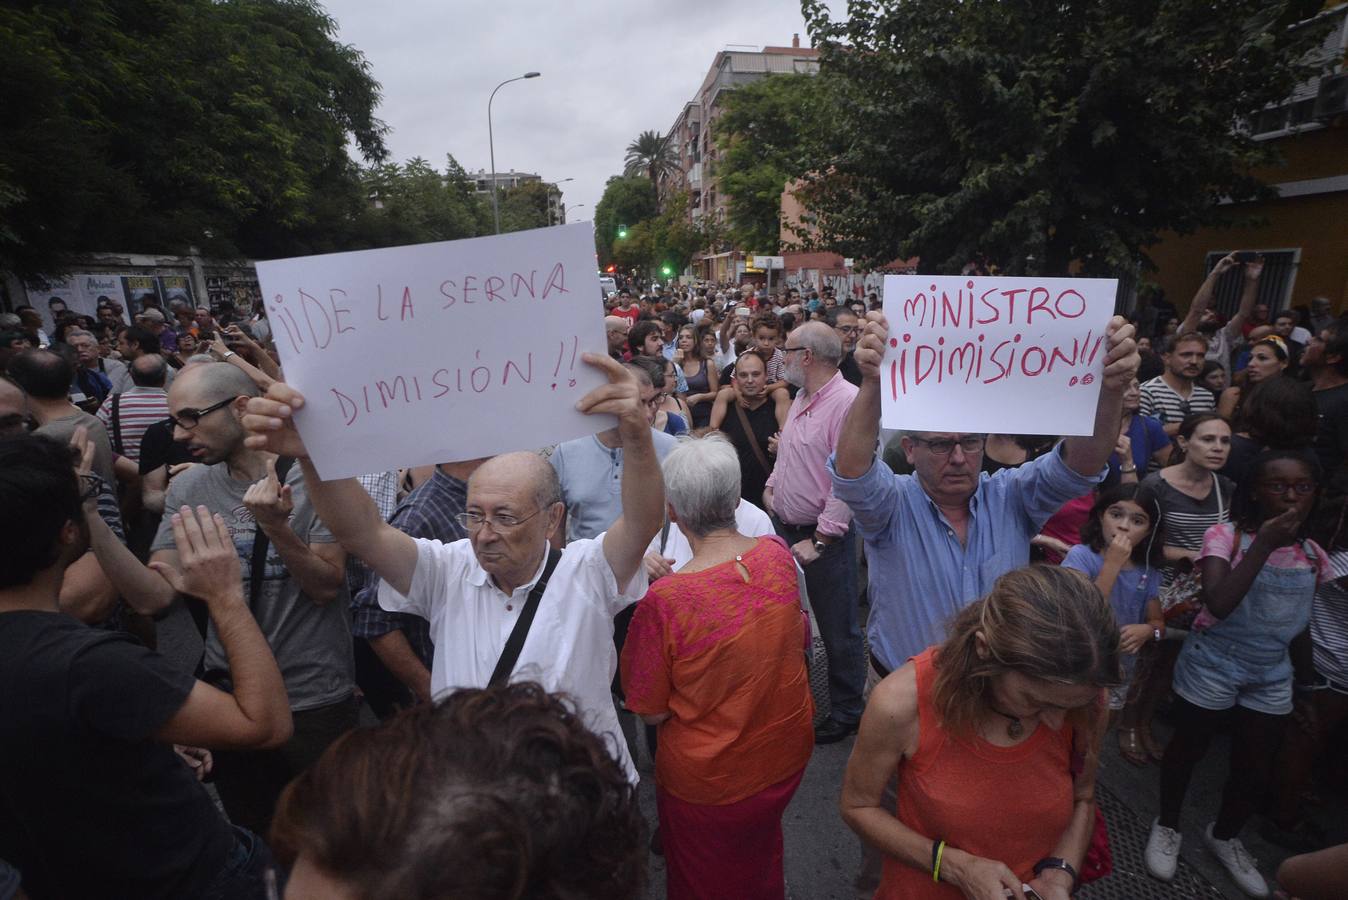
[[992, 608]]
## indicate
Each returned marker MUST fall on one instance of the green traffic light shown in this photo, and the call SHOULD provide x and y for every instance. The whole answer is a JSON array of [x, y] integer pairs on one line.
[[666, 271], [622, 231]]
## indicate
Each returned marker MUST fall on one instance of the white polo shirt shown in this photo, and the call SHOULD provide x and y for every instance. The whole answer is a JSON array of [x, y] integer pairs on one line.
[[570, 644]]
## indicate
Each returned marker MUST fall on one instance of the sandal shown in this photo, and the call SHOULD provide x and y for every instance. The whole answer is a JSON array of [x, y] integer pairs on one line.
[[1131, 747], [1153, 750]]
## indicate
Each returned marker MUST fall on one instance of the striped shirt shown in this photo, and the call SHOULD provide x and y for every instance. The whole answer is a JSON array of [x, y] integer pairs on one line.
[[428, 512], [1162, 401], [137, 409], [1186, 519], [1329, 622]]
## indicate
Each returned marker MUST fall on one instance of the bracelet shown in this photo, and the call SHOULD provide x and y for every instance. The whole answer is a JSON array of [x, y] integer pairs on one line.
[[227, 355], [937, 851], [1054, 862], [1129, 470]]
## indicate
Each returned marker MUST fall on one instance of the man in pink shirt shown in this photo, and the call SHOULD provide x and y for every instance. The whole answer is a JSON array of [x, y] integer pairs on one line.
[[800, 497]]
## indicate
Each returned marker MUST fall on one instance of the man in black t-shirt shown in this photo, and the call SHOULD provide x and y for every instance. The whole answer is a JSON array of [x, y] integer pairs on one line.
[[94, 801], [1326, 359], [747, 400]]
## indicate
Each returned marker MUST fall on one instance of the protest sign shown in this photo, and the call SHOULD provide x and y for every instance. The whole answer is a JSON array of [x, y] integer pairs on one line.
[[439, 352], [992, 354]]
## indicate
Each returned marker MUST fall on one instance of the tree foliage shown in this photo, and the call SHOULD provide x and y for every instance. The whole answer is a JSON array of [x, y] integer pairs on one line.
[[414, 203], [1038, 133], [667, 240], [526, 206], [651, 154], [152, 125], [766, 134], [627, 200]]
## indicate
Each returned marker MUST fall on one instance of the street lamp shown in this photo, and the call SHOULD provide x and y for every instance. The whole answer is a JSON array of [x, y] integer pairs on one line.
[[573, 209], [491, 145]]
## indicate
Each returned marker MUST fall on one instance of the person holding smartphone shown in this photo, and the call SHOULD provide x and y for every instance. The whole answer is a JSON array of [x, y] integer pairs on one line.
[[994, 736]]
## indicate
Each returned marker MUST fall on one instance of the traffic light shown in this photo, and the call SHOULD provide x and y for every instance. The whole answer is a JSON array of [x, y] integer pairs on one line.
[[666, 271], [622, 231]]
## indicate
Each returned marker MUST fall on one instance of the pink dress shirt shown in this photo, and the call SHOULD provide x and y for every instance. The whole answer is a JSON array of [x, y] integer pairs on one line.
[[802, 490]]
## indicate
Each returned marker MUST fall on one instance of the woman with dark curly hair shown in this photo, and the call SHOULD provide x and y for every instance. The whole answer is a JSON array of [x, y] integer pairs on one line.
[[489, 794], [994, 737]]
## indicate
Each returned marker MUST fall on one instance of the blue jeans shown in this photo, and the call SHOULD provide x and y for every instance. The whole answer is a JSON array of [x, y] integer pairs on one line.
[[832, 584], [244, 875]]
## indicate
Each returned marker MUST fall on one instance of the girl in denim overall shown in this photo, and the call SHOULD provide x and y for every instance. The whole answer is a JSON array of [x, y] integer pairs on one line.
[[1259, 578]]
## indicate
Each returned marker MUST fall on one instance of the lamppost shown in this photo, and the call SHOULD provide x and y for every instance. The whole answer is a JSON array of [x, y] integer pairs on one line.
[[491, 145], [573, 209]]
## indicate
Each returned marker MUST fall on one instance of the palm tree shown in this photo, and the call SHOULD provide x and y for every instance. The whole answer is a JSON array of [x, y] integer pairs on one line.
[[651, 154]]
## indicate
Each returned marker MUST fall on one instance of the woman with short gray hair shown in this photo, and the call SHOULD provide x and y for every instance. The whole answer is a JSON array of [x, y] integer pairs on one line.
[[714, 658]]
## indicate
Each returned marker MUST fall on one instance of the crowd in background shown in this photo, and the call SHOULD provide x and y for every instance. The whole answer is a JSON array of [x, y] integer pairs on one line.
[[521, 625]]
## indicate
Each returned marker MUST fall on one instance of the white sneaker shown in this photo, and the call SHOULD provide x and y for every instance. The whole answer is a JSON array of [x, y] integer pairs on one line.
[[1162, 853], [1238, 863]]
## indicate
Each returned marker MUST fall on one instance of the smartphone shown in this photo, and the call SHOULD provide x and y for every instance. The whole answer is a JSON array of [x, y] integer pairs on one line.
[[1246, 256], [1030, 893]]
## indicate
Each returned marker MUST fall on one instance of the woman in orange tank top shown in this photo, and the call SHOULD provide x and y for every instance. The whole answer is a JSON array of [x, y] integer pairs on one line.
[[983, 732]]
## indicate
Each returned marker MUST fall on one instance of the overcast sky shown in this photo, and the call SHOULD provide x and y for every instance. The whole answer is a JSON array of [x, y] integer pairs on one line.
[[611, 69]]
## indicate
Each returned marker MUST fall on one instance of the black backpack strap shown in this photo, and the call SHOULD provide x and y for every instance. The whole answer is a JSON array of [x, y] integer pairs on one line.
[[510, 654], [117, 425], [258, 562]]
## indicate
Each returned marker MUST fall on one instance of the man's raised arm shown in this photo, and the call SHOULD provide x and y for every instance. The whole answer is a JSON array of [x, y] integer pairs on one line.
[[643, 487], [855, 452], [342, 505]]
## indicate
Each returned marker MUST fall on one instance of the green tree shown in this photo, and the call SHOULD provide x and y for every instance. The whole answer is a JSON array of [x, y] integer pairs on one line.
[[150, 125], [653, 155], [525, 206], [1039, 133], [413, 203], [627, 200], [766, 133]]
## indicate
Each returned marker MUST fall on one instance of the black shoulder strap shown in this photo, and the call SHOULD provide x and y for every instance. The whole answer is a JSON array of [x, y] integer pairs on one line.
[[258, 562], [117, 424], [510, 654]]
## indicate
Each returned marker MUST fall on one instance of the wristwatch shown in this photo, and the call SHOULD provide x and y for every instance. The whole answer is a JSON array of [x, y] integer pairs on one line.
[[1056, 862], [819, 546], [1156, 633]]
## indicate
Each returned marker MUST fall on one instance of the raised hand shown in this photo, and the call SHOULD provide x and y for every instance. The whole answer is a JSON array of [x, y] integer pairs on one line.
[[268, 500], [1119, 550], [621, 397], [209, 563], [270, 424], [1121, 359], [870, 351]]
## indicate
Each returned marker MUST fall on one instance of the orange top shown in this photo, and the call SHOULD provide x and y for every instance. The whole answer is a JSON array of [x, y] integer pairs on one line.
[[727, 659], [1011, 804]]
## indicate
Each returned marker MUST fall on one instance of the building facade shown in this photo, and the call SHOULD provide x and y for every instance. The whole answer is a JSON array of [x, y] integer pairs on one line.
[[1303, 232]]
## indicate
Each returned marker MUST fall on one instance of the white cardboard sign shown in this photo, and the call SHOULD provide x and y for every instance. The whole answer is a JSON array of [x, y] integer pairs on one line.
[[438, 352], [992, 354]]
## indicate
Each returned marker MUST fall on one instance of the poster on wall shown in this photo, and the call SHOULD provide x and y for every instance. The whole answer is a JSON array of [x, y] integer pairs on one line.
[[141, 290], [101, 288], [51, 297], [176, 287]]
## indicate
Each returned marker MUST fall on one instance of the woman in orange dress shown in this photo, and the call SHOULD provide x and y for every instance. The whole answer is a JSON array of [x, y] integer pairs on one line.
[[993, 735], [715, 656]]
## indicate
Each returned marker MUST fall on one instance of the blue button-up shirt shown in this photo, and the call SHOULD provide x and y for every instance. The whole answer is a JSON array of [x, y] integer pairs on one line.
[[920, 573]]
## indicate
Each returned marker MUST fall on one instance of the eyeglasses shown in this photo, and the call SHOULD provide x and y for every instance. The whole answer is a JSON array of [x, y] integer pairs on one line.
[[793, 349], [970, 443], [188, 419], [655, 401], [90, 487], [1281, 487], [846, 329], [473, 522]]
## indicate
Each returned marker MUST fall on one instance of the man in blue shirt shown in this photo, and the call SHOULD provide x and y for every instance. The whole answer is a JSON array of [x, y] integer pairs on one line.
[[937, 540]]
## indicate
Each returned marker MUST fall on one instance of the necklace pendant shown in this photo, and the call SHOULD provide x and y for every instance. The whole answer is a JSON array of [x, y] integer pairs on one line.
[[1014, 729]]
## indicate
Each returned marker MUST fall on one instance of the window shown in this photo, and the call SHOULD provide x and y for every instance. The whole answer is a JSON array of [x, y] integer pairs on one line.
[[1275, 284]]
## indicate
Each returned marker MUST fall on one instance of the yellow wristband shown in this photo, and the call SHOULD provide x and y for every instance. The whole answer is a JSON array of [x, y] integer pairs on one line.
[[936, 869]]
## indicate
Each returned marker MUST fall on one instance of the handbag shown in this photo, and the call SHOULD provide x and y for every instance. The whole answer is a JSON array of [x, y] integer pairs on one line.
[[1098, 861]]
